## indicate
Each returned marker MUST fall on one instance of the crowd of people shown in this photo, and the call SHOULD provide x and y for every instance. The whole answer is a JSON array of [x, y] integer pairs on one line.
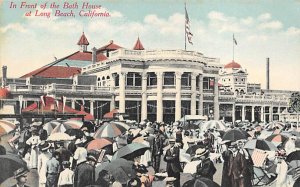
[[70, 163]]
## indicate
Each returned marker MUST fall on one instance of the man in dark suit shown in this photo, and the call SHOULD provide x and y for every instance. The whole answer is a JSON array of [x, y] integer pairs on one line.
[[237, 170], [173, 163], [157, 150], [21, 177]]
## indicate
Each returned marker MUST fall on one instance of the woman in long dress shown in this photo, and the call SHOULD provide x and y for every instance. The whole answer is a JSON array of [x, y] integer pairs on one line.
[[42, 163], [33, 141]]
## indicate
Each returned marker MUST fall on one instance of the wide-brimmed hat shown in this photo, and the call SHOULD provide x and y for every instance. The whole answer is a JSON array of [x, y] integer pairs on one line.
[[78, 141], [201, 152], [92, 155], [20, 172], [45, 146], [232, 144]]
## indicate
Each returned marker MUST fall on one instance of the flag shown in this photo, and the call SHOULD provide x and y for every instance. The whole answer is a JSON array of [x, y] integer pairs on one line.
[[234, 40], [83, 102], [57, 104], [187, 27]]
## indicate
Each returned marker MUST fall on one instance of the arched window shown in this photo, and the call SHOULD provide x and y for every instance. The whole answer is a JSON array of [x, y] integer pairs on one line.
[[98, 79]]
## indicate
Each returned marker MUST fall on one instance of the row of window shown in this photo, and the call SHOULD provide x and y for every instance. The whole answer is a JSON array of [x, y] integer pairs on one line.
[[169, 79]]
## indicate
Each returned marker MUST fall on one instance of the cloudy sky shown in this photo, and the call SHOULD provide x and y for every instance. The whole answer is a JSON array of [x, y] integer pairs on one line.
[[262, 28]]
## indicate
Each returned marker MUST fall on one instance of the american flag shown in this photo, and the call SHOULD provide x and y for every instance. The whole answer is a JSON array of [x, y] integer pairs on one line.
[[187, 27], [259, 157], [234, 40]]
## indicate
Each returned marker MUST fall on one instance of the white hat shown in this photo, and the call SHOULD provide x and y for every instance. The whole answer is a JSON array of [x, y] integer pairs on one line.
[[78, 141]]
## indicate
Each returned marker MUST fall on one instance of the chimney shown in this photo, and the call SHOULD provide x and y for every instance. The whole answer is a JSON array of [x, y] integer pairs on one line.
[[4, 75], [268, 74], [94, 55]]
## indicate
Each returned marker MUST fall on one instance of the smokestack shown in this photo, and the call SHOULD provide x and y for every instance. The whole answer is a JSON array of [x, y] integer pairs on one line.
[[4, 75], [268, 74], [94, 55]]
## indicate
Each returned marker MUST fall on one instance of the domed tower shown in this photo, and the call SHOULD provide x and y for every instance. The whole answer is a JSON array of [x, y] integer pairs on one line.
[[234, 78], [83, 43]]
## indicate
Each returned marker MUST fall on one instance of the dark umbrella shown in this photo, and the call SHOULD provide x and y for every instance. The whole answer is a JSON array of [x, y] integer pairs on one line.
[[130, 151], [297, 143], [293, 156], [234, 135], [294, 167], [122, 170], [201, 182], [89, 125], [260, 144], [192, 150], [9, 163], [75, 132]]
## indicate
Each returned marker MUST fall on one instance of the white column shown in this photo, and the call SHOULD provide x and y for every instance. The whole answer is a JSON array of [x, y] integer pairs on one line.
[[144, 97], [194, 94], [262, 114], [92, 107], [216, 99], [73, 103], [159, 105], [112, 91], [233, 113], [252, 114], [122, 78], [271, 114], [201, 112], [243, 112], [178, 96]]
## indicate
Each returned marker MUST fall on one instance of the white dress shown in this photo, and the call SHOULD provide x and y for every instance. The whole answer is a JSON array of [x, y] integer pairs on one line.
[[146, 157], [33, 141], [42, 165]]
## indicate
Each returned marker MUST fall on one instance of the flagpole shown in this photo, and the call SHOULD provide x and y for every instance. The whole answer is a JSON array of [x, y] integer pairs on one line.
[[185, 26], [232, 47]]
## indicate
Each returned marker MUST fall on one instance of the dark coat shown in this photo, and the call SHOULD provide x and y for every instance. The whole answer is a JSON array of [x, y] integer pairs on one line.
[[225, 179], [172, 159], [206, 169], [238, 171], [16, 185], [84, 175]]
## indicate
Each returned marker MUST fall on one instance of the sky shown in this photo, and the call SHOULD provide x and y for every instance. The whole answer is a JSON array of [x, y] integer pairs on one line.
[[262, 28]]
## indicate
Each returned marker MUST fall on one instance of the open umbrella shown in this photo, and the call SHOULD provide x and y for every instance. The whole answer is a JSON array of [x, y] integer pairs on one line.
[[64, 126], [49, 126], [99, 143], [201, 182], [60, 136], [234, 135], [130, 151], [122, 170], [119, 123], [75, 132], [213, 124], [9, 163], [260, 144], [293, 156], [74, 123], [109, 131], [277, 138], [294, 167], [275, 125], [6, 127]]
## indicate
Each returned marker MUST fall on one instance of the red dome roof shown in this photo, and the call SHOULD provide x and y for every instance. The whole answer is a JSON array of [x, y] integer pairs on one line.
[[4, 93], [232, 65]]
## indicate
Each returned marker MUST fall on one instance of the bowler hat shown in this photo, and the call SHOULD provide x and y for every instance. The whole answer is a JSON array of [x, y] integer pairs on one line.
[[45, 146], [201, 152]]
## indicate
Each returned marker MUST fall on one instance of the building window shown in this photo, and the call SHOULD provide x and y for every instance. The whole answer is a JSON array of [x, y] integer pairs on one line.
[[134, 79], [205, 83], [117, 78], [236, 79], [152, 79], [169, 78], [186, 79]]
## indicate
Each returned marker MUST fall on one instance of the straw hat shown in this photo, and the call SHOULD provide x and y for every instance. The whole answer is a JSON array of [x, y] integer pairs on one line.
[[45, 146], [201, 152], [20, 172]]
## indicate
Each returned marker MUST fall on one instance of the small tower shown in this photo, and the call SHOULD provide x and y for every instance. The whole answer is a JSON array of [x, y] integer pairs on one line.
[[83, 43], [138, 45]]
